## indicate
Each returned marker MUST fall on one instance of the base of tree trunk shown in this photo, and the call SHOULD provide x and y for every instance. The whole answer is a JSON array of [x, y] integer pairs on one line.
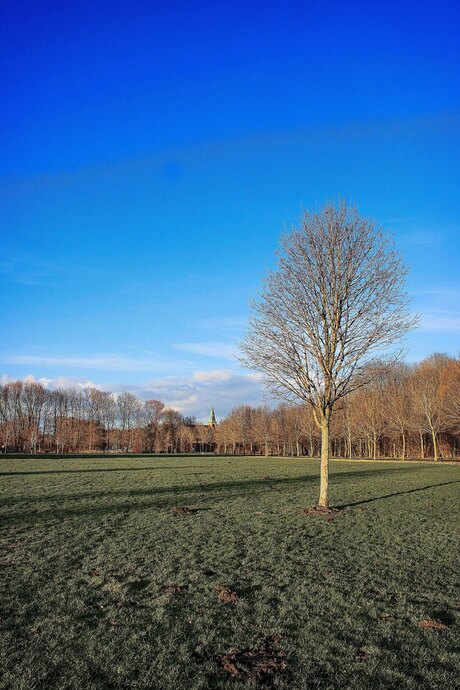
[[319, 510]]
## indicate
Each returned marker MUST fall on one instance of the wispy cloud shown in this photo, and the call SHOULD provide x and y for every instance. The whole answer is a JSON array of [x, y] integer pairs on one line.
[[445, 293], [222, 324], [422, 238], [399, 219], [105, 361], [440, 321], [27, 270], [219, 350], [160, 160]]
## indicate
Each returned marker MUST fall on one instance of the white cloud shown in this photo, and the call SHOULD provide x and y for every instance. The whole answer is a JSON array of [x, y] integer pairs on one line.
[[220, 350], [192, 394], [53, 383], [212, 376]]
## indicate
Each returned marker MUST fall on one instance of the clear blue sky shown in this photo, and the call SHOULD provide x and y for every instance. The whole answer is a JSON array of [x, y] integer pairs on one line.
[[152, 153]]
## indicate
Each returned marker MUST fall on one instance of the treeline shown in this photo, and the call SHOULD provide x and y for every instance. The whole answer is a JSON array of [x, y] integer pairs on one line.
[[407, 412]]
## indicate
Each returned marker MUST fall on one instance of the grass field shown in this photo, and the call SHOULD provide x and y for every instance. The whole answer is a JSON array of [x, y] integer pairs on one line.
[[103, 585]]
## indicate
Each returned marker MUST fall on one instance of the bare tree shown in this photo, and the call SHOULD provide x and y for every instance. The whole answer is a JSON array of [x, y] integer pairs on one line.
[[397, 405], [370, 418], [429, 398], [129, 410], [450, 384], [153, 415], [263, 427], [333, 305]]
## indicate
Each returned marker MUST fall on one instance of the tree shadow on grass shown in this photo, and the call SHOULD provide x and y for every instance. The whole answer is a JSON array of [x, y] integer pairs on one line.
[[107, 469], [243, 485], [168, 496], [341, 506]]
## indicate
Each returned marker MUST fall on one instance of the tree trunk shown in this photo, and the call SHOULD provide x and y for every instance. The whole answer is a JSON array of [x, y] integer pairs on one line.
[[403, 446], [422, 448], [324, 483], [435, 445]]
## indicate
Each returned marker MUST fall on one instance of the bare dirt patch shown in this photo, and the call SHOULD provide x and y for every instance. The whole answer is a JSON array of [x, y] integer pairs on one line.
[[362, 655], [328, 514], [183, 510], [126, 603], [316, 510], [226, 595], [431, 624], [259, 662], [175, 589]]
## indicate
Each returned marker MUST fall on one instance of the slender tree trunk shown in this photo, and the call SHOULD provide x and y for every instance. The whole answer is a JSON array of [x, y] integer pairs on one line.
[[435, 445], [324, 483], [422, 447], [403, 445]]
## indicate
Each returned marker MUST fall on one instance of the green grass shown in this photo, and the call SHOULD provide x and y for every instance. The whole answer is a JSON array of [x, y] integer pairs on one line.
[[88, 545]]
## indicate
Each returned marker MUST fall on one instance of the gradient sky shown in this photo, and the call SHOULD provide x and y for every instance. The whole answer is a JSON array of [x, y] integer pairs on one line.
[[152, 153]]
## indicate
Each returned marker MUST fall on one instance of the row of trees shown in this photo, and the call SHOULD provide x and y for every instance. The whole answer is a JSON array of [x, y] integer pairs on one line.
[[406, 412], [34, 419]]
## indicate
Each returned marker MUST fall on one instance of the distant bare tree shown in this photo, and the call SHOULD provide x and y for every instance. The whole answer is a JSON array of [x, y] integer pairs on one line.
[[450, 383], [153, 415], [397, 405], [370, 418], [129, 410], [263, 423], [429, 398], [335, 302]]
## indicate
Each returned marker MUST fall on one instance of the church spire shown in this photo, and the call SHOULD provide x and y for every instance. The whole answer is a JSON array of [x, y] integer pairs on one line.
[[212, 418]]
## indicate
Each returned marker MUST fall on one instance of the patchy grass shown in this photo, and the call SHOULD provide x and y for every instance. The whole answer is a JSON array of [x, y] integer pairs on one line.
[[188, 573]]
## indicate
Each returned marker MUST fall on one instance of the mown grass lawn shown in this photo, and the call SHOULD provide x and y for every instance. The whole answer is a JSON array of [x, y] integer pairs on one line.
[[103, 585]]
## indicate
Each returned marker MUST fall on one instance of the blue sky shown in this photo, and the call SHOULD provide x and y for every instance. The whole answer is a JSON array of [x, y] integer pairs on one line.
[[151, 156]]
